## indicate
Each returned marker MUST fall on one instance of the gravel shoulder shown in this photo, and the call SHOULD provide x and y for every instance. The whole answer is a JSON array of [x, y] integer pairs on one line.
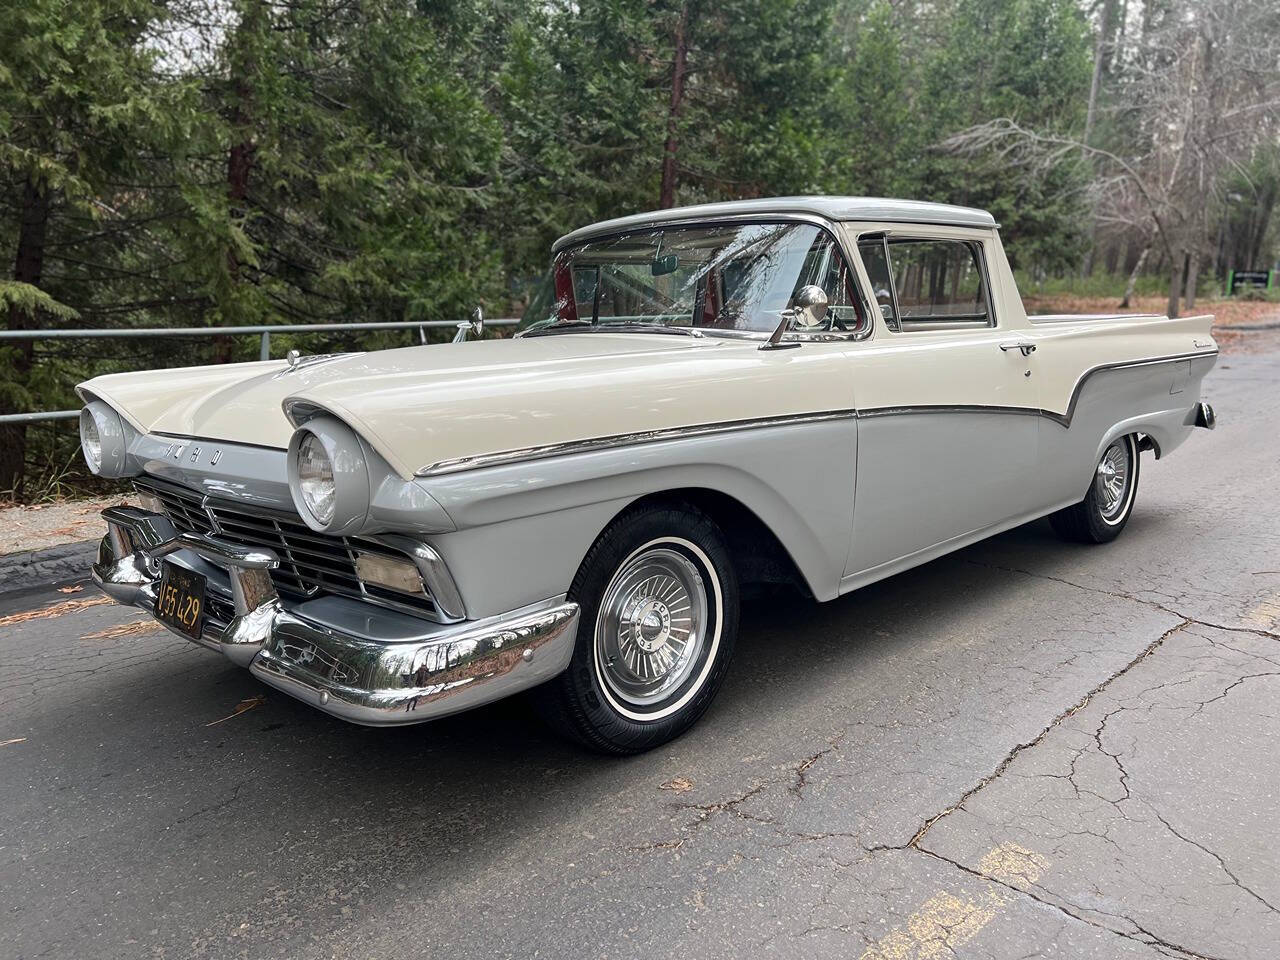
[[35, 526]]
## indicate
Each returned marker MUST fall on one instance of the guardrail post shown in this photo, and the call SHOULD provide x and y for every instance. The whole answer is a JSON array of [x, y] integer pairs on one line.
[[264, 353], [422, 334]]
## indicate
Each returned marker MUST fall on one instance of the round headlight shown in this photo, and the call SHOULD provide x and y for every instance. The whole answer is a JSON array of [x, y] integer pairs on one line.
[[315, 479], [90, 441], [105, 441], [328, 476]]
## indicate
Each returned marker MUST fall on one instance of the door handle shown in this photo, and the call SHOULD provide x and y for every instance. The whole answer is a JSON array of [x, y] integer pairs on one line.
[[1026, 346]]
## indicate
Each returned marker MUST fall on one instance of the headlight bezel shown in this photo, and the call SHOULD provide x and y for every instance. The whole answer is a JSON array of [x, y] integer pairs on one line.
[[111, 458], [348, 463]]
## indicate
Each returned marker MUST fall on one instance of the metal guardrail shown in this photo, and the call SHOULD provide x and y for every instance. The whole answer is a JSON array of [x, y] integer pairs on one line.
[[263, 331]]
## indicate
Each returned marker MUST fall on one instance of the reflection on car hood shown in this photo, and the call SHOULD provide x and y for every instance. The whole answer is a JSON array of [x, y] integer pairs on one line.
[[425, 404]]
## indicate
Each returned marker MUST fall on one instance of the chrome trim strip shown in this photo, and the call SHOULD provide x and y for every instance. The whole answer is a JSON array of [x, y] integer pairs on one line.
[[607, 230], [525, 454], [1063, 420], [872, 412], [459, 464], [190, 438]]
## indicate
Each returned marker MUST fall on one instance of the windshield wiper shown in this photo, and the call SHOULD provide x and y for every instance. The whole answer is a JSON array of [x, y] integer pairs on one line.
[[612, 326], [636, 326]]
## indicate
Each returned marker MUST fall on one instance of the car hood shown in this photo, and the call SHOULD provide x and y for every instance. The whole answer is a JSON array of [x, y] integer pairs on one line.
[[427, 404]]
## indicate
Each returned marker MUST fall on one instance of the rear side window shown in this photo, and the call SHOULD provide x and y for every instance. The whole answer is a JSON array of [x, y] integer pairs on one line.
[[938, 282]]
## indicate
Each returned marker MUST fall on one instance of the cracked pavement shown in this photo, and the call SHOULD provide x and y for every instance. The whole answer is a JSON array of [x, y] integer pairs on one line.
[[1027, 749]]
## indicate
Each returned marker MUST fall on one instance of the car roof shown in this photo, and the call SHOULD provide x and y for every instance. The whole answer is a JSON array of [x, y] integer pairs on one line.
[[874, 209]]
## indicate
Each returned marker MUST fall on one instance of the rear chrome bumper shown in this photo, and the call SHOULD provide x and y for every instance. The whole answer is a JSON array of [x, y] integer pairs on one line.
[[1204, 416], [364, 680]]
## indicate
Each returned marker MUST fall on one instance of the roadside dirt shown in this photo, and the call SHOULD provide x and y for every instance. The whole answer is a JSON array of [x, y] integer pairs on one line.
[[31, 527], [1227, 312]]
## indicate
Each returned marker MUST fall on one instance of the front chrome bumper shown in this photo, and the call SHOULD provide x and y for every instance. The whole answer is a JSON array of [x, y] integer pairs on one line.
[[361, 679]]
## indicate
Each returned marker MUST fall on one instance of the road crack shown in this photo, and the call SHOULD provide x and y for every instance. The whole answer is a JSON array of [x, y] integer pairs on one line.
[[1003, 765], [1221, 862], [1141, 934], [1269, 634]]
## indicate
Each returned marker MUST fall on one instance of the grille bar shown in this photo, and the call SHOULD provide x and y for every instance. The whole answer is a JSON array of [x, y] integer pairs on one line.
[[311, 564]]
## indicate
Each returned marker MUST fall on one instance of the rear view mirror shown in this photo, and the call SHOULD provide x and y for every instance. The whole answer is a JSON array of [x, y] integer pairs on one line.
[[664, 265]]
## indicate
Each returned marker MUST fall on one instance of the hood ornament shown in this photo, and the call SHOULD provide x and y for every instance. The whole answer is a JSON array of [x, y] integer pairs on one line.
[[296, 361]]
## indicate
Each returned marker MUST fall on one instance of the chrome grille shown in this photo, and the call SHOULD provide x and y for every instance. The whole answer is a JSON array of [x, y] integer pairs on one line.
[[311, 564]]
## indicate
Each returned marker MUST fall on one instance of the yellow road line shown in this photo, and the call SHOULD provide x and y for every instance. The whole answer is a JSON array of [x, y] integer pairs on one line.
[[946, 920], [1265, 614]]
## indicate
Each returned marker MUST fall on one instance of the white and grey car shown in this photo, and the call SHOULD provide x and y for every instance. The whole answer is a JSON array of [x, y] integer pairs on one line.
[[819, 390]]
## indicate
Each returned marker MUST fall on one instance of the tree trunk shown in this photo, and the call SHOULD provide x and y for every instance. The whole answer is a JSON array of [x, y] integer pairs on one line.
[[1175, 284], [1189, 288], [1100, 65], [28, 266], [241, 155], [668, 194], [1133, 276]]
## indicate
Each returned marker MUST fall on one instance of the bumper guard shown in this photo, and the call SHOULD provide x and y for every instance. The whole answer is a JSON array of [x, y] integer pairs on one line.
[[371, 682]]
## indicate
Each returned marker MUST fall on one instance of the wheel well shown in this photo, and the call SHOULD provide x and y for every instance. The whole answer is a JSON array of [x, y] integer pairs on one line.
[[1147, 442], [758, 555]]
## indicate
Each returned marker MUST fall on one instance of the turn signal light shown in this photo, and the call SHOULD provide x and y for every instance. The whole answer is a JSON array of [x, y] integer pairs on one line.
[[383, 571]]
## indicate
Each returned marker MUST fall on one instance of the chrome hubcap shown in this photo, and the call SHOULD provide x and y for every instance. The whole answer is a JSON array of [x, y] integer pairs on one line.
[[651, 629], [1112, 479]]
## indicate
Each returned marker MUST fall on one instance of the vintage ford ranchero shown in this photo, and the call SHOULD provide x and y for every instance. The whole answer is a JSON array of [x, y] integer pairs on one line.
[[820, 390]]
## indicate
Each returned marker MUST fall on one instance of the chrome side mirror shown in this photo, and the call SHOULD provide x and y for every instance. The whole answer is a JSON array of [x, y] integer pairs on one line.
[[473, 326], [809, 307]]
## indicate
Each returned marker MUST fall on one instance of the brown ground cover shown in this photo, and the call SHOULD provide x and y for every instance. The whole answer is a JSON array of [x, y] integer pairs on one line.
[[1227, 312]]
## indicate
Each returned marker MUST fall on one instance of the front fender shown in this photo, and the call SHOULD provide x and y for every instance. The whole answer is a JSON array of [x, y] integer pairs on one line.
[[524, 528]]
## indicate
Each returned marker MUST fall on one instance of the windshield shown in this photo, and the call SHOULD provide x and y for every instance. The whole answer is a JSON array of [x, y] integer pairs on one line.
[[732, 277]]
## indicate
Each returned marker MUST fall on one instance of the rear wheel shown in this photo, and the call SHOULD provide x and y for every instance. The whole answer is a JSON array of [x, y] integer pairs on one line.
[[658, 600], [1105, 510]]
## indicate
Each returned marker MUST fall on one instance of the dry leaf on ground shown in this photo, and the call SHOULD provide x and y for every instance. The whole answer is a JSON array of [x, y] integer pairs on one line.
[[678, 784], [131, 629], [74, 589], [54, 610], [244, 706]]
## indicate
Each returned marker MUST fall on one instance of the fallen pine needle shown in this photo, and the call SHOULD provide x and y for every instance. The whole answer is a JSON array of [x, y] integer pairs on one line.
[[55, 610], [131, 629], [244, 706], [5, 743]]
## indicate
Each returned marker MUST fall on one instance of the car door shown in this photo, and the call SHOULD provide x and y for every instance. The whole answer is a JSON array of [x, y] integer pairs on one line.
[[947, 405]]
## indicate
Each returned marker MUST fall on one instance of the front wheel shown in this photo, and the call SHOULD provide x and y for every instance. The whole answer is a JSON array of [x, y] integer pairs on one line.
[[1105, 510], [658, 600]]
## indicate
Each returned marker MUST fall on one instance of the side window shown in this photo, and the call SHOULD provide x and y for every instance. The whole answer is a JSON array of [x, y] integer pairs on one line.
[[825, 266], [874, 258], [938, 281]]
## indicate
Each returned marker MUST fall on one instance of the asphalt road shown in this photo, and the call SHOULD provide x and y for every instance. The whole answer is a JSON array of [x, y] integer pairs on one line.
[[1025, 749]]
